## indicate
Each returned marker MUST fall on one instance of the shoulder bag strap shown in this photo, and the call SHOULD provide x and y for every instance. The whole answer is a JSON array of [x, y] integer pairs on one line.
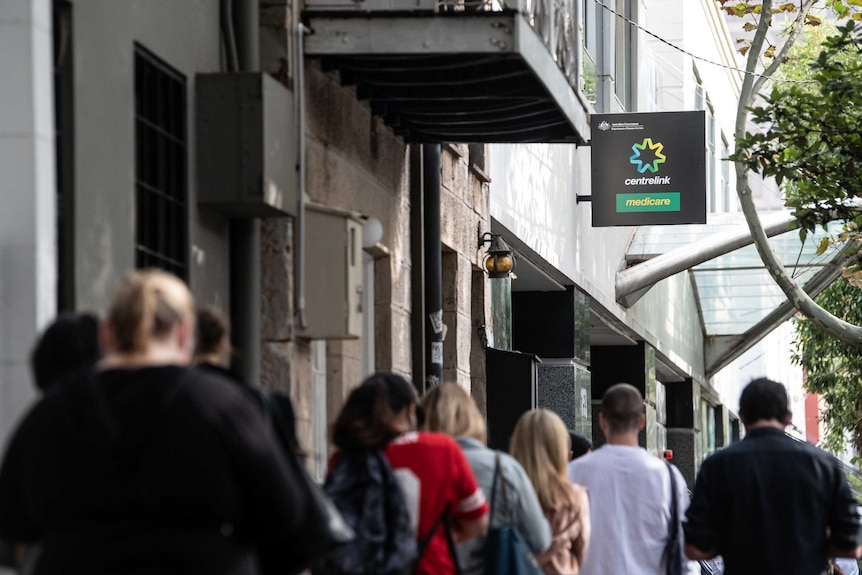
[[423, 545], [494, 487], [673, 530], [499, 468]]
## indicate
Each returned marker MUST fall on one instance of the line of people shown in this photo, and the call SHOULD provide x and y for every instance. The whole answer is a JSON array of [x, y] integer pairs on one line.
[[145, 455]]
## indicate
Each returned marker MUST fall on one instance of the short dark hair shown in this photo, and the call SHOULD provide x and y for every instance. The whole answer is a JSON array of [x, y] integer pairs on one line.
[[211, 328], [763, 399], [69, 344], [622, 406], [361, 423], [580, 445]]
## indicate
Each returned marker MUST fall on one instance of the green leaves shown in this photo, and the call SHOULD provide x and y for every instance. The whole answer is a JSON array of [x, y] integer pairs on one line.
[[833, 368], [810, 136]]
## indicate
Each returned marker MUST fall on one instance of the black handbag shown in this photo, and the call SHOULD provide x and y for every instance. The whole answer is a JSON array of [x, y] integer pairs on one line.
[[323, 528], [672, 550], [506, 552]]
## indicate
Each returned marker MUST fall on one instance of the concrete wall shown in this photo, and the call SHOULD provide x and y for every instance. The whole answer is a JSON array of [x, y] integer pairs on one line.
[[186, 36], [27, 219]]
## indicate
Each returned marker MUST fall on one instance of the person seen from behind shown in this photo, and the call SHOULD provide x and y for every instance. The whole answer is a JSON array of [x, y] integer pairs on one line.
[[213, 352], [213, 349], [770, 504], [578, 445], [449, 409], [146, 466], [630, 494], [377, 442], [69, 344], [540, 443]]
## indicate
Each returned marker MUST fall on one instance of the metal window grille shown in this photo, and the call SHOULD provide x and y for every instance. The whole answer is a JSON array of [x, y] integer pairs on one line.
[[161, 171]]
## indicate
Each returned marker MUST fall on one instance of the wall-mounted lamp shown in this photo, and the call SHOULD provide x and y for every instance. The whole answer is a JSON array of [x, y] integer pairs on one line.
[[499, 260]]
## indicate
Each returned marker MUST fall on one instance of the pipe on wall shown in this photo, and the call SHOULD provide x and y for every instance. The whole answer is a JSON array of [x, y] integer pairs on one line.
[[299, 252], [417, 267], [245, 268], [434, 329]]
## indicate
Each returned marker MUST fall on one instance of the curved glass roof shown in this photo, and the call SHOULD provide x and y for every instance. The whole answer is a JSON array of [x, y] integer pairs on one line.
[[735, 291]]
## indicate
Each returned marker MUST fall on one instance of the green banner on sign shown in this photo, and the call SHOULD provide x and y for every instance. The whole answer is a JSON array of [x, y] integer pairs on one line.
[[648, 202]]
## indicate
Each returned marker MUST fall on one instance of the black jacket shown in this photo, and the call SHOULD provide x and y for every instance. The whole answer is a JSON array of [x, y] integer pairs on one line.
[[153, 470]]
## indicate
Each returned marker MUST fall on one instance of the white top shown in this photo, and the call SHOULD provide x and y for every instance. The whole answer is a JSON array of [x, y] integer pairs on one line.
[[629, 492], [848, 566]]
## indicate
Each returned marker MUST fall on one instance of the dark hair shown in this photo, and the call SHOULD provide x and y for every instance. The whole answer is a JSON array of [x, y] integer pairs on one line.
[[363, 421], [70, 343], [622, 406], [580, 445], [211, 329], [763, 399]]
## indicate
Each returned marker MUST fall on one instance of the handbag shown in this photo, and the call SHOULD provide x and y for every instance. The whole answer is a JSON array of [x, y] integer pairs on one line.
[[323, 527], [672, 550], [506, 552]]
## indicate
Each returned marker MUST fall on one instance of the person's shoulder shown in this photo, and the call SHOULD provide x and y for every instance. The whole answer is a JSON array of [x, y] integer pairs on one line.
[[216, 394], [426, 439]]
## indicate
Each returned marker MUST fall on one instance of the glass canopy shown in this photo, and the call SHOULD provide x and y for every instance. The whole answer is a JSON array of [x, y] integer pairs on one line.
[[734, 290]]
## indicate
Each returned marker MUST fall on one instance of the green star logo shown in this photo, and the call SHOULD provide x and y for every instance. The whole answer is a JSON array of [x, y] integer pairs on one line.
[[644, 166]]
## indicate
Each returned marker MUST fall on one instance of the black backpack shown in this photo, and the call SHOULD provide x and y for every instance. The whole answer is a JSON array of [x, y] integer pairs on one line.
[[364, 489]]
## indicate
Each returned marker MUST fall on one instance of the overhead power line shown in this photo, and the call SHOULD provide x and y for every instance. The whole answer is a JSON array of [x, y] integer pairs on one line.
[[695, 56]]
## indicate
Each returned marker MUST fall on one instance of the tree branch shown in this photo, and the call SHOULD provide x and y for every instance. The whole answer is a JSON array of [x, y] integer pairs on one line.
[[779, 59], [832, 325]]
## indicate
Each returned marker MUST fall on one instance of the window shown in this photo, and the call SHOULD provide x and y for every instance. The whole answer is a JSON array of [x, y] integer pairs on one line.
[[711, 189], [590, 25], [161, 234], [476, 155], [725, 173], [622, 53]]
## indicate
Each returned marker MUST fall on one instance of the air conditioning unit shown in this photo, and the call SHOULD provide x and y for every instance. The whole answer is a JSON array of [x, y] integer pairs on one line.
[[372, 5], [333, 282], [246, 145]]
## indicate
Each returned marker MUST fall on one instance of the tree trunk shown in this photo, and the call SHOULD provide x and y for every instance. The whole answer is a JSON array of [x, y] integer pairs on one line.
[[834, 326]]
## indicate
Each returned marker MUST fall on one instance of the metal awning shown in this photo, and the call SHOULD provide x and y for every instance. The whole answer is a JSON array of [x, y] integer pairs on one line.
[[738, 301], [433, 76]]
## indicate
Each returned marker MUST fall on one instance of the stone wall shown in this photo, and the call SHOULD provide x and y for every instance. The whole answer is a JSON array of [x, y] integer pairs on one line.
[[355, 164]]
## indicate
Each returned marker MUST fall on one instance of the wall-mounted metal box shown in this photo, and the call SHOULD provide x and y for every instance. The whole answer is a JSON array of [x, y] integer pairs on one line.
[[333, 284], [246, 145]]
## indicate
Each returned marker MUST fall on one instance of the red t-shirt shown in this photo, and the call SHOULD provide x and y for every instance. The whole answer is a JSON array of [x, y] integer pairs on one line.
[[434, 474]]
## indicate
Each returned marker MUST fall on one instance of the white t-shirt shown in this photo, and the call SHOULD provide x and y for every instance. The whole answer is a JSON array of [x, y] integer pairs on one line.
[[848, 566], [629, 492]]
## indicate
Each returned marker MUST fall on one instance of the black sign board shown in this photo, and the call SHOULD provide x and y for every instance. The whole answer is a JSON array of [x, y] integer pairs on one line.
[[648, 169]]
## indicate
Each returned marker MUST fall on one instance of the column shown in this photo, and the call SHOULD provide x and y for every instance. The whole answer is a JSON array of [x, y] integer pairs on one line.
[[27, 177]]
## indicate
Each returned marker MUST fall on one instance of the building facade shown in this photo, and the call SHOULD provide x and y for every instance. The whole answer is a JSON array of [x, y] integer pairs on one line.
[[328, 174]]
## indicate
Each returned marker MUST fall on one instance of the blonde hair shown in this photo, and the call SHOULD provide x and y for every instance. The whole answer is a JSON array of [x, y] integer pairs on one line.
[[146, 308], [450, 410], [540, 443]]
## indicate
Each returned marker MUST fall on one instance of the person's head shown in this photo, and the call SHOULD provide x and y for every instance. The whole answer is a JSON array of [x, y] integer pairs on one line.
[[449, 409], [151, 308], [540, 443], [764, 401], [212, 344], [70, 343], [578, 445], [622, 411], [375, 413]]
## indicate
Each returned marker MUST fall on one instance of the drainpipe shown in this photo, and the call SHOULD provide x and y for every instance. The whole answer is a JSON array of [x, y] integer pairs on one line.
[[245, 271], [299, 234], [417, 268], [433, 266]]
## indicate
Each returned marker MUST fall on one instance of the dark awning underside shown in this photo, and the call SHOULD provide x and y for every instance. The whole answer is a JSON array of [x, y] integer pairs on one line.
[[484, 77]]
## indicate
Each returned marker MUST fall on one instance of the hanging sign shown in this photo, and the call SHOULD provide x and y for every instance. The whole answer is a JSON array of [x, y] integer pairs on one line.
[[648, 169]]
